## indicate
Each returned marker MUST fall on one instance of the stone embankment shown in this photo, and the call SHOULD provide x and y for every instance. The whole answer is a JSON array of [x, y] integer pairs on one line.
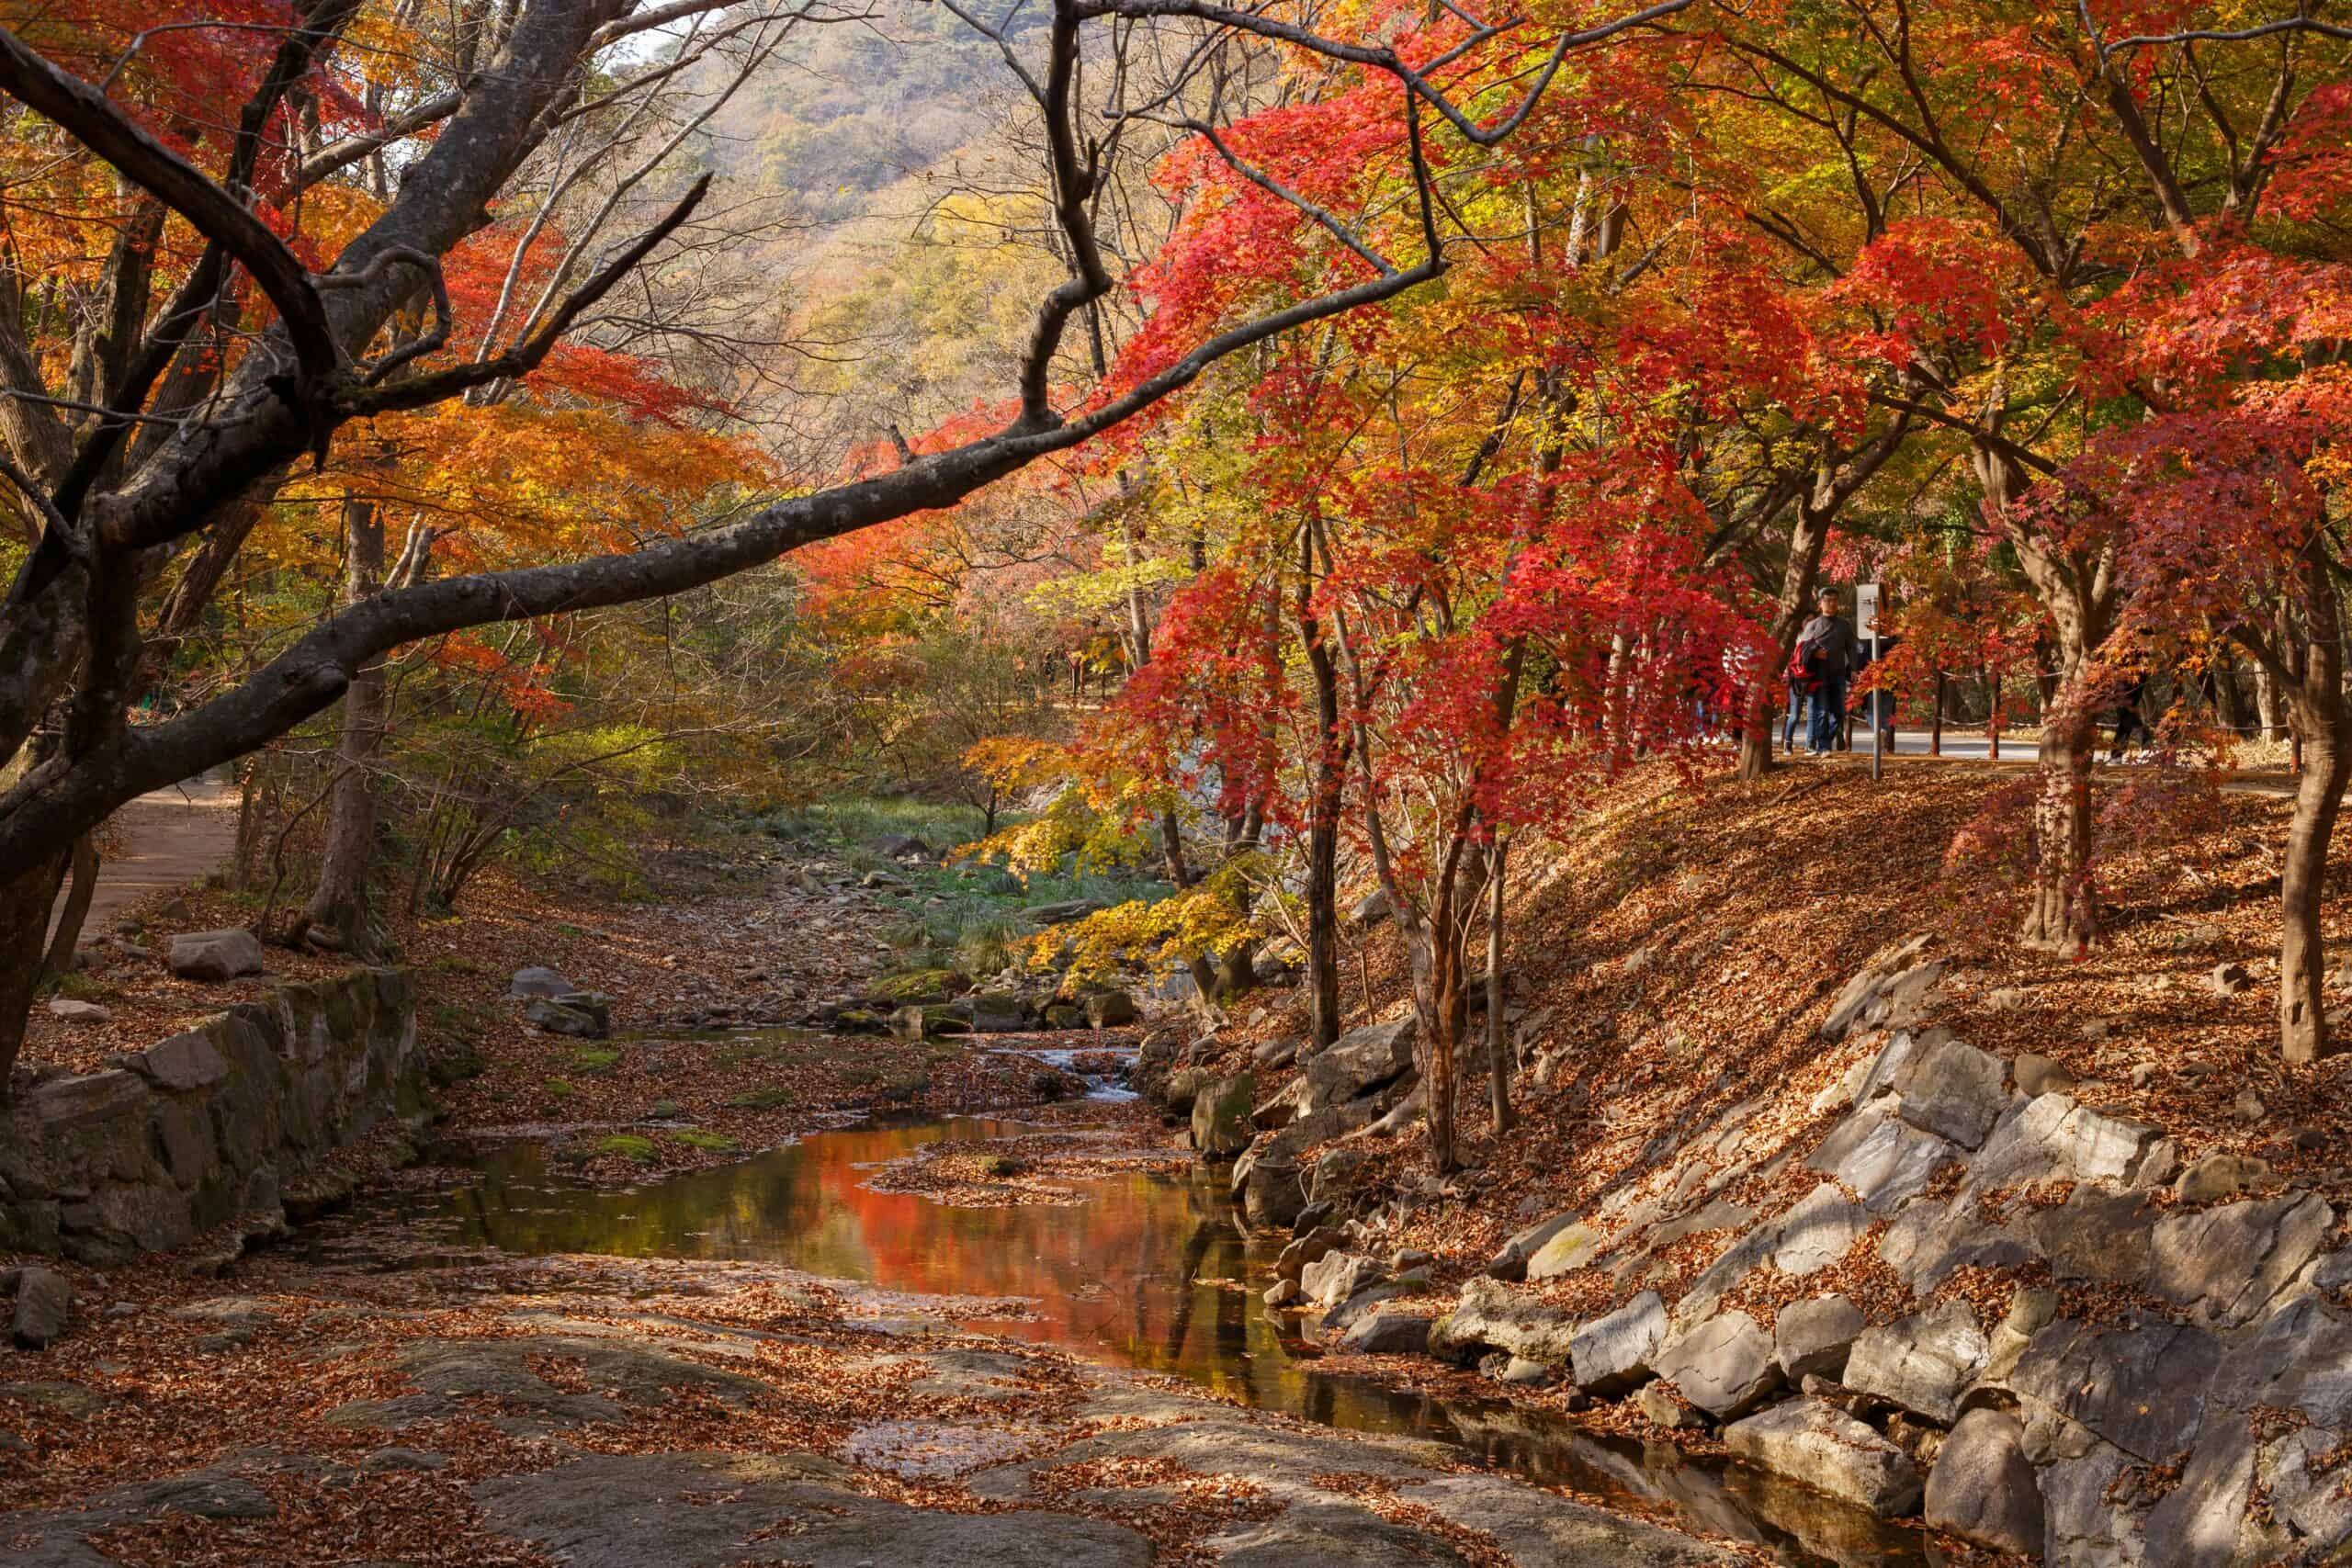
[[2095, 1355], [232, 1120]]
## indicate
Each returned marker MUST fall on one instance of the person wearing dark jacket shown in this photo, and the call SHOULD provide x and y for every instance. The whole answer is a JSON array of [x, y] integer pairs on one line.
[[1828, 652]]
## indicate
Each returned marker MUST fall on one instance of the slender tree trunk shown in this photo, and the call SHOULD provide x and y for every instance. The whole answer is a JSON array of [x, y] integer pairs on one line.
[[1499, 1051], [339, 903], [1323, 816], [83, 861], [2302, 954], [1805, 541], [2267, 706], [1440, 1014]]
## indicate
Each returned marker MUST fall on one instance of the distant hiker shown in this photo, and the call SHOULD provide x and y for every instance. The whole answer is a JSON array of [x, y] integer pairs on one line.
[[2128, 718], [1828, 652]]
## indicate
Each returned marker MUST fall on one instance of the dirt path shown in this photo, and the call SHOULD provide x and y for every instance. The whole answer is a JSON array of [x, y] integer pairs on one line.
[[162, 839]]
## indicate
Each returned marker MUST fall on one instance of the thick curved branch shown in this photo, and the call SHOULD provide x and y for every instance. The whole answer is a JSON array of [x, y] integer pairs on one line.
[[94, 122]]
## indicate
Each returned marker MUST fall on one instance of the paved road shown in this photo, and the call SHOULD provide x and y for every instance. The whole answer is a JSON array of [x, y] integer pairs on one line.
[[168, 838]]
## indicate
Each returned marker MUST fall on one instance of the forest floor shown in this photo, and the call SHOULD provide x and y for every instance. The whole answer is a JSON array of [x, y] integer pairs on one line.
[[472, 1408]]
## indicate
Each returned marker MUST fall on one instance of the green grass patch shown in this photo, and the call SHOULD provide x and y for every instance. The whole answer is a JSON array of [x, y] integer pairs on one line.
[[761, 1098], [629, 1145], [560, 1089], [698, 1138], [594, 1061]]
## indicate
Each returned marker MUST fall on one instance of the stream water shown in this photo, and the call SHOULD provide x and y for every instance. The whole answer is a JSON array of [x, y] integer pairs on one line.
[[1129, 1278]]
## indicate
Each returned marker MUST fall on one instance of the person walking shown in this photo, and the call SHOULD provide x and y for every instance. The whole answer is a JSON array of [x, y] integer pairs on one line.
[[1827, 651]]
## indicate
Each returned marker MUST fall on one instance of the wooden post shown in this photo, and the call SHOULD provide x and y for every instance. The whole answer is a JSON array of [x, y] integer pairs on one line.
[[1935, 736]]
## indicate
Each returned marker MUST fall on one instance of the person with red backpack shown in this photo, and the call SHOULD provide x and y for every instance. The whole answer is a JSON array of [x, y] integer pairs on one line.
[[1826, 655]]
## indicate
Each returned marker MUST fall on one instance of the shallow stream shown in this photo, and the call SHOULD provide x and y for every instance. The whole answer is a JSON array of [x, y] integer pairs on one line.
[[1151, 1271]]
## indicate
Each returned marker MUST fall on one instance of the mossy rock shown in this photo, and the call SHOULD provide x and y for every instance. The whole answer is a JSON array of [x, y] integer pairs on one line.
[[860, 1021], [560, 1089], [1006, 1165], [629, 1145], [920, 986], [700, 1138], [594, 1061], [761, 1098], [665, 1111], [454, 1062]]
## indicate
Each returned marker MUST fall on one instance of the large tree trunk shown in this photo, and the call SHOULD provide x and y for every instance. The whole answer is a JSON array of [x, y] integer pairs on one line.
[[68, 935], [339, 910], [1805, 541], [2062, 914], [2316, 701], [2077, 593], [24, 924]]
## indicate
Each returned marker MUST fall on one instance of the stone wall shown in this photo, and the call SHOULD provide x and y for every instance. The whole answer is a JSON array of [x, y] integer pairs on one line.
[[2061, 1340], [211, 1125]]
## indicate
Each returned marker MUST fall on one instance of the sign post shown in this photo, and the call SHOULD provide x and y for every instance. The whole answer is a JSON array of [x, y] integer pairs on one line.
[[1866, 625]]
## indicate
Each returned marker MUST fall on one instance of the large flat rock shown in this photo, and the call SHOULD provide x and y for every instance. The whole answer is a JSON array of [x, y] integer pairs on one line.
[[715, 1510]]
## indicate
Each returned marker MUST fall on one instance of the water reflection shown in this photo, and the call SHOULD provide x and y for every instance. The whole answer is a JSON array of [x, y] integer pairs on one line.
[[1129, 1278]]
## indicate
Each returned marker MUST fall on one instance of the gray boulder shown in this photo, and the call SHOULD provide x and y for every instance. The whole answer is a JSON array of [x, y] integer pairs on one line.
[[2220, 1176], [1061, 913], [1894, 992], [1616, 1353], [1334, 1277], [1819, 1230], [1983, 1487], [1567, 1249], [1812, 1441], [1812, 1339], [1952, 1090], [1493, 1316], [2227, 1263], [1387, 1331], [1510, 1261], [44, 1303], [572, 1015], [215, 955], [1370, 910], [1359, 1061], [537, 981], [182, 1062], [1273, 1193], [997, 1012], [1724, 1366], [1109, 1010], [1920, 1362], [2096, 1235], [73, 1011], [1221, 1126]]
